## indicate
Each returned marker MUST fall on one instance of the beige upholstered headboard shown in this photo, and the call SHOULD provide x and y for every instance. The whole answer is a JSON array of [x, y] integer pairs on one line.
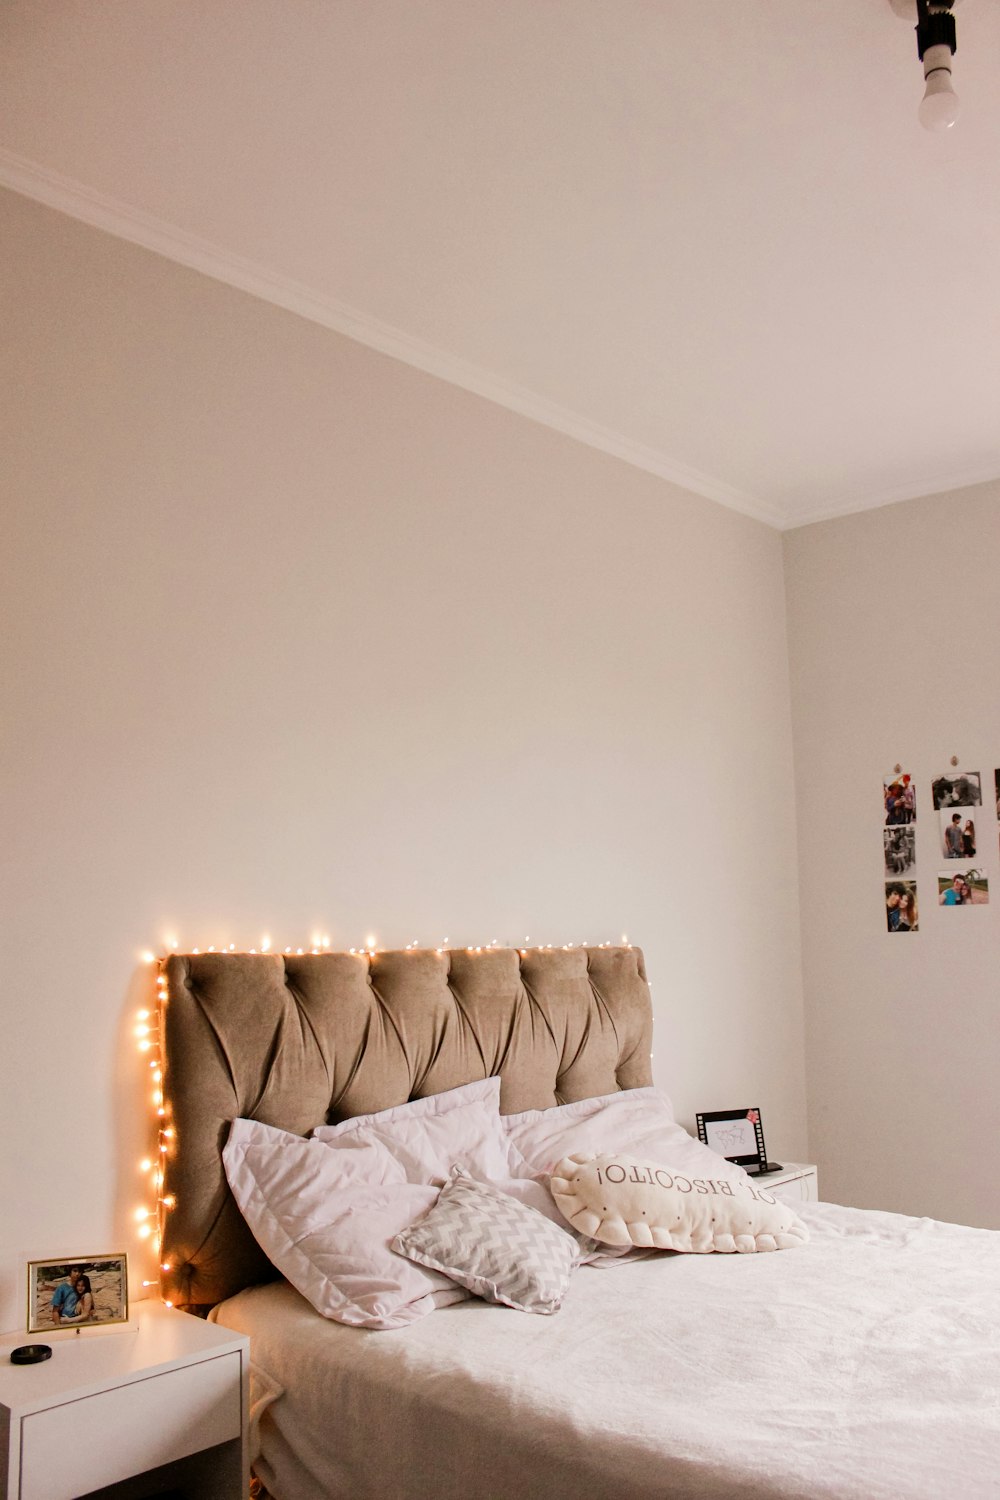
[[300, 1041]]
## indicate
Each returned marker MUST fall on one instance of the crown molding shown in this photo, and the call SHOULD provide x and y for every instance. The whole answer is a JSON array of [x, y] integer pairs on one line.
[[938, 484], [140, 228]]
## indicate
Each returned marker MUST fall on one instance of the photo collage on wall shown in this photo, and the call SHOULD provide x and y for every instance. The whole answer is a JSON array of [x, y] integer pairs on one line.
[[961, 833]]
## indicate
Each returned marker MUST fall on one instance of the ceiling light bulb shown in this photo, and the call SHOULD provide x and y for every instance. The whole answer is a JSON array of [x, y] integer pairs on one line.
[[939, 106]]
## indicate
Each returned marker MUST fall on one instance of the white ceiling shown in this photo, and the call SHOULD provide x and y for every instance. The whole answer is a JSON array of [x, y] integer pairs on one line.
[[707, 235]]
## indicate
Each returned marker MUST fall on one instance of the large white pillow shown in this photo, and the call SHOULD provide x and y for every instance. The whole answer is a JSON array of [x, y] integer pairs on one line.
[[326, 1210], [639, 1121], [426, 1137]]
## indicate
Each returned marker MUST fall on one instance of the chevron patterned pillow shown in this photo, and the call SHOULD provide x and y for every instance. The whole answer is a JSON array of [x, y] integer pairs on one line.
[[498, 1248]]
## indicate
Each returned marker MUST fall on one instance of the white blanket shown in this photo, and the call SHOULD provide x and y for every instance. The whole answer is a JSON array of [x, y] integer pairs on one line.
[[864, 1366]]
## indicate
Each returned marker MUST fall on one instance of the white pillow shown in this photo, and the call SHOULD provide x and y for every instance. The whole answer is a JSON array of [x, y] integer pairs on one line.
[[639, 1121], [425, 1137], [325, 1210], [631, 1200]]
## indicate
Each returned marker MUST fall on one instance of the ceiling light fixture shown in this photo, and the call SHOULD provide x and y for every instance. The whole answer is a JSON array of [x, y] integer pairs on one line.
[[935, 47]]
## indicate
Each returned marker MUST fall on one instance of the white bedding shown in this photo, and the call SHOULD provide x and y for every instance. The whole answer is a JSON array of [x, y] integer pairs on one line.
[[863, 1366]]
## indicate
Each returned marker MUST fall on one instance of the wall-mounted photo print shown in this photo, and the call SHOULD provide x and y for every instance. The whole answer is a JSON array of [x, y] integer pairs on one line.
[[900, 798], [901, 906], [996, 778], [958, 833], [900, 846], [960, 789], [963, 888]]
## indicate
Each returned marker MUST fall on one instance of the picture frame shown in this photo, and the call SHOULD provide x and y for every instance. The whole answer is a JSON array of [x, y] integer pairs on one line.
[[85, 1291], [736, 1134]]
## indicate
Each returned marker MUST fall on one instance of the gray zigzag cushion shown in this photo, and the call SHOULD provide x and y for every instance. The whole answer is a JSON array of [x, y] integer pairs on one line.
[[495, 1246]]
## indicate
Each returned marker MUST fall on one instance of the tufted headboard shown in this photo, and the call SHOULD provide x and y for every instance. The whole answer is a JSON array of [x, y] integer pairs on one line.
[[310, 1039]]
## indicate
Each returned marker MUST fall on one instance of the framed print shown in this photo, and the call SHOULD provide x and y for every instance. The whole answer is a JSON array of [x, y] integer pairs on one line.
[[89, 1292], [736, 1134]]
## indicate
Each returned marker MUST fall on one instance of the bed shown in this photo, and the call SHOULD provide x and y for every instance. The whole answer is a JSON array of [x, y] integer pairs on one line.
[[863, 1365]]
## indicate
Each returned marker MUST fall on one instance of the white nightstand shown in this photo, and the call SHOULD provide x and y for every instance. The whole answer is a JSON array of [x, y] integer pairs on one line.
[[115, 1404], [795, 1183]]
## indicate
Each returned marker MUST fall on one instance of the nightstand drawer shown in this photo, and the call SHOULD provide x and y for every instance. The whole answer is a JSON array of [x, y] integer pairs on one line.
[[82, 1445]]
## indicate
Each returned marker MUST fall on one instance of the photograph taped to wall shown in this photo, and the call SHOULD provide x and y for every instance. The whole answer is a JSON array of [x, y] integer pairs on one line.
[[901, 912], [88, 1292], [900, 849], [957, 789], [963, 888], [996, 781], [958, 833], [899, 797]]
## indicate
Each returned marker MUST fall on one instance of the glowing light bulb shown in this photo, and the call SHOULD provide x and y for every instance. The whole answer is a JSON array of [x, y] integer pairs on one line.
[[144, 1046], [142, 1213], [147, 957], [145, 1165], [370, 942], [265, 943], [144, 1231]]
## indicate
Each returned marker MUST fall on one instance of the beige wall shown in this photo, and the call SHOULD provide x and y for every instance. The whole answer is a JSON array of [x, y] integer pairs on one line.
[[301, 639], [894, 625]]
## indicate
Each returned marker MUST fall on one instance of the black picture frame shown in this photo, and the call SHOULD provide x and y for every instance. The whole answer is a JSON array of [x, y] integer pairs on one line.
[[725, 1132]]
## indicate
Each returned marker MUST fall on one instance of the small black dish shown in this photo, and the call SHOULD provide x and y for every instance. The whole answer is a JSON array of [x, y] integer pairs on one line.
[[30, 1354]]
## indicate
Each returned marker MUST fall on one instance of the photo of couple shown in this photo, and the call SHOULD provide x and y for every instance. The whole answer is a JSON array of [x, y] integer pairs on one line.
[[900, 849], [958, 835], [901, 906], [963, 789], [968, 888], [900, 798], [77, 1294]]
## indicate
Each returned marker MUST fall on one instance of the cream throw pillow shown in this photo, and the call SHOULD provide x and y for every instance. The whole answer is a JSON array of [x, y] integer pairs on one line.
[[629, 1200]]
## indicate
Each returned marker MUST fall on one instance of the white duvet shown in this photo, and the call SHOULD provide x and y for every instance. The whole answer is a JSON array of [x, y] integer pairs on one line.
[[863, 1366]]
